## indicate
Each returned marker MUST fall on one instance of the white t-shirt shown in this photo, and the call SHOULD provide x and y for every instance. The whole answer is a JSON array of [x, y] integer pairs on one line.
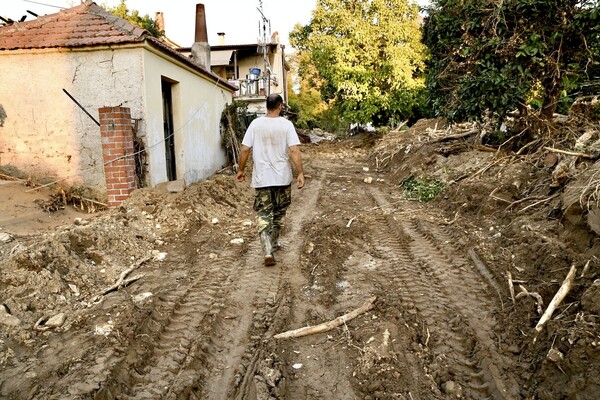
[[270, 139]]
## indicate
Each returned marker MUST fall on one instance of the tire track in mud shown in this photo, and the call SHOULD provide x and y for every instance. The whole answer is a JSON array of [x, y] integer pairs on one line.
[[237, 343], [166, 356], [449, 296], [357, 278], [206, 338]]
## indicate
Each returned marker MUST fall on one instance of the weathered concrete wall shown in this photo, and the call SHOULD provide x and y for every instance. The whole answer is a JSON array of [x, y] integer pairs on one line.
[[197, 107], [44, 134]]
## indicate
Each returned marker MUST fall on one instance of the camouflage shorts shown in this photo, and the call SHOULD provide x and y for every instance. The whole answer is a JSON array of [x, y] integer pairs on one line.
[[271, 204]]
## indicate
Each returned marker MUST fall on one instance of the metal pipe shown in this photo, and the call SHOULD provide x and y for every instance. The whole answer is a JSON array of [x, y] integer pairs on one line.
[[80, 106]]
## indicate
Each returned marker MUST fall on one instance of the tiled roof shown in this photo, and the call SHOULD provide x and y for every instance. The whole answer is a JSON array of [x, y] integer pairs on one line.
[[84, 25]]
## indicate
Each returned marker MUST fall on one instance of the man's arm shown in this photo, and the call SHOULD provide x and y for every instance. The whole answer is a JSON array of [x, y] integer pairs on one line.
[[297, 161], [244, 154]]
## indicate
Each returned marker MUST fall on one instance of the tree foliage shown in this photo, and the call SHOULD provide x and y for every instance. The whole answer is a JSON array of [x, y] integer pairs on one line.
[[496, 55], [133, 16], [364, 56]]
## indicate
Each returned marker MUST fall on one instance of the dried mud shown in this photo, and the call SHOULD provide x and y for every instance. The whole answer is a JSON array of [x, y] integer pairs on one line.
[[198, 320]]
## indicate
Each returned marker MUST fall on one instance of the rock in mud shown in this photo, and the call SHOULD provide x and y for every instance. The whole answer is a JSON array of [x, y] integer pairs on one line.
[[271, 376], [7, 319], [452, 388], [5, 237], [175, 186], [555, 355], [53, 322]]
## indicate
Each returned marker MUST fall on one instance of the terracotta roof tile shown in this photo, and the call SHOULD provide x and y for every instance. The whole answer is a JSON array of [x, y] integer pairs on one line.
[[84, 25]]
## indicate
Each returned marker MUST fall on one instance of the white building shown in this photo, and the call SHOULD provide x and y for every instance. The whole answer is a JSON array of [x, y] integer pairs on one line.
[[103, 61]]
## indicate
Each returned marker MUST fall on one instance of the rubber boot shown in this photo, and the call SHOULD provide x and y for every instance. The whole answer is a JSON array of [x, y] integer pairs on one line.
[[265, 240], [275, 239]]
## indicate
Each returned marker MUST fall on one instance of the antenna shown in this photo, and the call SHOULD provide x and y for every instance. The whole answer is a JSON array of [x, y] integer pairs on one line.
[[264, 42]]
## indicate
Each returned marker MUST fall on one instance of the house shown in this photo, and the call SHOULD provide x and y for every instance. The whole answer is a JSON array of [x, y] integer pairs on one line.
[[257, 69], [61, 73]]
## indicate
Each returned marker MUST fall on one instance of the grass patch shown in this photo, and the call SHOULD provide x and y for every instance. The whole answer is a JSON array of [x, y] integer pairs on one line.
[[423, 188]]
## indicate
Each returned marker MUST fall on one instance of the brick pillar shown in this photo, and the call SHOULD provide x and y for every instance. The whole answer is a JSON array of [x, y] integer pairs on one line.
[[117, 151]]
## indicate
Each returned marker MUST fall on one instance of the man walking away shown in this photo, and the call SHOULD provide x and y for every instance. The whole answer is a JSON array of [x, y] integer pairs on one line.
[[274, 141]]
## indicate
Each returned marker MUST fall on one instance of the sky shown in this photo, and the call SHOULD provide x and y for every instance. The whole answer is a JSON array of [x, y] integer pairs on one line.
[[238, 19]]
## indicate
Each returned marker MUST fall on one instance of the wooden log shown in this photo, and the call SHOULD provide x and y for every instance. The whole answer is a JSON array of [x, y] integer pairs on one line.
[[327, 326], [557, 299]]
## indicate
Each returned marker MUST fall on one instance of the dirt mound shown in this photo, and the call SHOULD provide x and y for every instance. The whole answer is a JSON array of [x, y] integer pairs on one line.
[[525, 223], [66, 271]]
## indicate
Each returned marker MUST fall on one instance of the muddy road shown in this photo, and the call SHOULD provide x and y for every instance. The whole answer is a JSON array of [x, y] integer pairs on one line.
[[196, 316]]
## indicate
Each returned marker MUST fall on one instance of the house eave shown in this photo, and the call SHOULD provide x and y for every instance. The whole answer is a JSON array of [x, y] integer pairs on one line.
[[148, 45]]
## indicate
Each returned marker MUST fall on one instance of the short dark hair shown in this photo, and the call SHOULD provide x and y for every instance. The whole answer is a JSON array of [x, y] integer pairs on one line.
[[273, 101]]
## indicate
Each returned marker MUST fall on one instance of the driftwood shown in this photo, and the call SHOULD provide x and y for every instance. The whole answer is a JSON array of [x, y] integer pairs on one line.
[[558, 298], [327, 326], [122, 281], [571, 153]]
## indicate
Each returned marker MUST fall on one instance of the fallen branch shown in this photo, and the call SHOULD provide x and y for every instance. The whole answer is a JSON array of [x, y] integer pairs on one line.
[[82, 199], [530, 144], [538, 299], [485, 168], [558, 298], [511, 286], [46, 185], [571, 153], [456, 215], [11, 178], [122, 282], [539, 202], [327, 326], [493, 196], [456, 136], [514, 203], [586, 268]]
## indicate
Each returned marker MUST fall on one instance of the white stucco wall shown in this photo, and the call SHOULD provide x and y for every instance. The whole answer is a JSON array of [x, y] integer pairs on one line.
[[46, 135], [197, 107]]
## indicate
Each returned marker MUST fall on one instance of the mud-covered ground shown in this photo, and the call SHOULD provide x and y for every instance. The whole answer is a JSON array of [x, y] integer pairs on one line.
[[166, 296]]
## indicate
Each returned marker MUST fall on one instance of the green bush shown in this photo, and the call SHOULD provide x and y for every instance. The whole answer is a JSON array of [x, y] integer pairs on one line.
[[423, 188]]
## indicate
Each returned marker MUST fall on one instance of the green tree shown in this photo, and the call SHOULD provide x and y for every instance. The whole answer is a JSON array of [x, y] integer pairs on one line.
[[365, 57], [134, 17], [497, 55]]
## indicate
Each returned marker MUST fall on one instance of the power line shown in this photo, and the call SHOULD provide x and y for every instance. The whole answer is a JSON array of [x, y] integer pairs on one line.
[[44, 4]]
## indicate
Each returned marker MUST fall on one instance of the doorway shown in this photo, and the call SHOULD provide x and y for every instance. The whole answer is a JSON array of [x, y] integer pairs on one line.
[[167, 97]]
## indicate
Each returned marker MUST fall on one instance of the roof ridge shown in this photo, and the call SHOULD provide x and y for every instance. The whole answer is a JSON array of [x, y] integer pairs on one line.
[[116, 22]]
